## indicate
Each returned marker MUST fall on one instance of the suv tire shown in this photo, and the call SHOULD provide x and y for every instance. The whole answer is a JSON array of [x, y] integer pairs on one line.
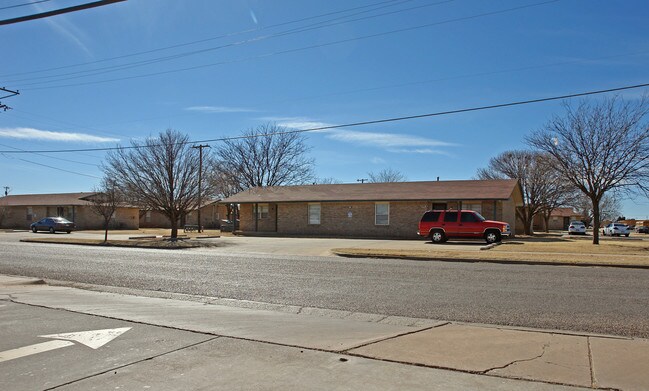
[[492, 236], [437, 236]]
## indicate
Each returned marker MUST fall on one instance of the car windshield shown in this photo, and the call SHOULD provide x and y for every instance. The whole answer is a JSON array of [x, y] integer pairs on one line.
[[479, 216]]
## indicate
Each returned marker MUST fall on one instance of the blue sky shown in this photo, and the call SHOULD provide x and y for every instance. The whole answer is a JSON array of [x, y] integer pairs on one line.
[[100, 77]]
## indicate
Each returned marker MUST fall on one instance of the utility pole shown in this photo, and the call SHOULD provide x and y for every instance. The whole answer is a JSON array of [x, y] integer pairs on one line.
[[7, 188], [362, 180], [200, 180]]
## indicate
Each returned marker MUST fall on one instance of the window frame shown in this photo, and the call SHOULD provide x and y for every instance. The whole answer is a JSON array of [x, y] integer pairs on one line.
[[309, 214], [261, 214], [376, 214]]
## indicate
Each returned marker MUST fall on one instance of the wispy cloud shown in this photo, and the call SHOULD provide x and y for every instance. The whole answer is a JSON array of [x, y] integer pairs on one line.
[[296, 122], [61, 25], [384, 140], [219, 109], [46, 135], [390, 142], [377, 160]]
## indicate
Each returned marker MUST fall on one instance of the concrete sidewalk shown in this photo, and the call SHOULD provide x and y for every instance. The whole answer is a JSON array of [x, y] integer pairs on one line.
[[289, 349]]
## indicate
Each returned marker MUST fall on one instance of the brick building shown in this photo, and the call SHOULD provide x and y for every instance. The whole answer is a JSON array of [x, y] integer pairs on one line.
[[384, 210], [211, 216], [19, 211]]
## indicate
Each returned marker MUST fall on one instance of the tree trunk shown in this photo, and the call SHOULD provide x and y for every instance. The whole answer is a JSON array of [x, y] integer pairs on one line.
[[595, 221], [546, 222], [174, 228], [106, 230]]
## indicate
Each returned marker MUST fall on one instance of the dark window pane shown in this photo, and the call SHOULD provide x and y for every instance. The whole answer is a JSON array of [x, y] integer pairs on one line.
[[450, 217]]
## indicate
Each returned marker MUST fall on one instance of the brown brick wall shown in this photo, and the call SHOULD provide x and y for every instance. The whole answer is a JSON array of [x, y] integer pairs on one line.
[[83, 217], [292, 218], [335, 219]]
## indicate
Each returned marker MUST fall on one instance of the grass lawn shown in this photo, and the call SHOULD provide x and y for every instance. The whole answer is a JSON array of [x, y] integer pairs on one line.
[[543, 249]]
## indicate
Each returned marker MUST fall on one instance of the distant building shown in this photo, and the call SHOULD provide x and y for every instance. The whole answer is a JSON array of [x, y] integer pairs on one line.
[[560, 219], [19, 211]]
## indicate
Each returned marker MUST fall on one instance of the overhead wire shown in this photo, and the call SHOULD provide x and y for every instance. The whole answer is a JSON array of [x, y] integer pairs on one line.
[[363, 123], [52, 167], [202, 40], [23, 4], [270, 54], [141, 63]]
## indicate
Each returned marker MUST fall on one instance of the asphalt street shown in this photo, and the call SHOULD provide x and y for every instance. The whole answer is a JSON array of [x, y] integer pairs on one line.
[[599, 300]]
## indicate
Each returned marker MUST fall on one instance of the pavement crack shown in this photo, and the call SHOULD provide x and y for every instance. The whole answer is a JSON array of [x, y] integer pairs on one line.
[[593, 383], [132, 363], [545, 346]]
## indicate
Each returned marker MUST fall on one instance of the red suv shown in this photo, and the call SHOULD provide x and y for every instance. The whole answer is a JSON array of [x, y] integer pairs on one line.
[[441, 225]]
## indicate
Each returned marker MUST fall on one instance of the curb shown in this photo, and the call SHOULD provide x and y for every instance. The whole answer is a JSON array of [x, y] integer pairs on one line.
[[497, 261]]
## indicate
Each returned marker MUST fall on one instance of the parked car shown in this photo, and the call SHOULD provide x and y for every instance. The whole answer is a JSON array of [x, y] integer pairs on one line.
[[616, 229], [441, 225], [577, 227], [52, 224], [642, 229]]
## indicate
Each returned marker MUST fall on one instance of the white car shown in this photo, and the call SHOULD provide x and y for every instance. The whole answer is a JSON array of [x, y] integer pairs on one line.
[[577, 228], [616, 229]]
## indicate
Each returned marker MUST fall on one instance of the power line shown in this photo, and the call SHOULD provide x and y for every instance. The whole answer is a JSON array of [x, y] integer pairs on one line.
[[406, 29], [369, 122], [58, 11], [24, 4], [141, 63], [54, 168], [207, 39]]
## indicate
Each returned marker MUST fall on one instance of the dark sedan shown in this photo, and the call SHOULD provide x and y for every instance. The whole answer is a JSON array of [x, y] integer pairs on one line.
[[52, 224]]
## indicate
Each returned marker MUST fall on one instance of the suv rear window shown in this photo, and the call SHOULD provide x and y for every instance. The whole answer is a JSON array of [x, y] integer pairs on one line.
[[430, 217], [450, 217]]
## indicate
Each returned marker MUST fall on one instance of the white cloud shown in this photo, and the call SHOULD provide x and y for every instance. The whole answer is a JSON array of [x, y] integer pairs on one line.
[[378, 160], [35, 134], [388, 141], [219, 109], [295, 122]]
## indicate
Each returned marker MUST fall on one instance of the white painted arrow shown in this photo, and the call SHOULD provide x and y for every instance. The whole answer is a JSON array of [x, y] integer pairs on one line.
[[93, 339]]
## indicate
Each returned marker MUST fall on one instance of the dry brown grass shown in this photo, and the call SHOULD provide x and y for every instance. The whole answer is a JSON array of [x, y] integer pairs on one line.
[[551, 250]]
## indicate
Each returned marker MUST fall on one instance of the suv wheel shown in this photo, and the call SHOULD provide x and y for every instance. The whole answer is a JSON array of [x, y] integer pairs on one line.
[[437, 236], [492, 237]]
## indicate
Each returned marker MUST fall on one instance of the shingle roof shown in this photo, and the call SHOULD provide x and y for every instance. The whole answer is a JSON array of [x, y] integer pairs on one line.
[[391, 191], [61, 199]]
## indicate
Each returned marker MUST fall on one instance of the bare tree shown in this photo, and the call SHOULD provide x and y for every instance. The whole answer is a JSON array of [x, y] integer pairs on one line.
[[387, 175], [538, 184], [160, 173], [328, 181], [105, 202], [598, 148], [266, 156], [609, 208]]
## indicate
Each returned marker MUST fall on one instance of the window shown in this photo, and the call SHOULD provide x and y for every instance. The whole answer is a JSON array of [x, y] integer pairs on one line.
[[439, 206], [314, 214], [29, 213], [262, 211], [450, 217], [382, 213], [430, 217], [477, 207], [147, 216], [468, 217]]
